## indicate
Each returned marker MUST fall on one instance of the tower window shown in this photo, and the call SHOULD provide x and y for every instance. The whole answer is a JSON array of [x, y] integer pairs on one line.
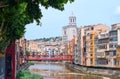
[[71, 20]]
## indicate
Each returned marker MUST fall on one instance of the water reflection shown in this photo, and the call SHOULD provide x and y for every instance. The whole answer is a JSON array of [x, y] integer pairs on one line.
[[57, 71]]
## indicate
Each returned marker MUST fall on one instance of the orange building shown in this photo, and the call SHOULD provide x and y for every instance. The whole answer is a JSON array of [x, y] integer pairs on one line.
[[71, 45]]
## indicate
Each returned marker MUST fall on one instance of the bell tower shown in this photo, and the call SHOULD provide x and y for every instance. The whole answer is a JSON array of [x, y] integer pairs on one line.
[[72, 20]]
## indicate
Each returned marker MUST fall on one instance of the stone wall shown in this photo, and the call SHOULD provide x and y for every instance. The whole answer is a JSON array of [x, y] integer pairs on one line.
[[95, 70], [2, 68]]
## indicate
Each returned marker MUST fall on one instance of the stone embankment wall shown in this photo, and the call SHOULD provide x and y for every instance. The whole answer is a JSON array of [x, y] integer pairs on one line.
[[105, 71]]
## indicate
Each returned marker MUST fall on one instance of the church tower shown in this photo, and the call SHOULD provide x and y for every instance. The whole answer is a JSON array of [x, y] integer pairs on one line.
[[70, 31], [72, 20]]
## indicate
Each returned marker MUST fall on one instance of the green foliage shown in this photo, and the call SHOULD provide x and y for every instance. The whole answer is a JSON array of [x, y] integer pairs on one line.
[[27, 53], [31, 63], [27, 75], [15, 14]]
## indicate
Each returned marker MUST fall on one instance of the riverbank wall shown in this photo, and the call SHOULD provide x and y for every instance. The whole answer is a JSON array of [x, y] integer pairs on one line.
[[102, 71]]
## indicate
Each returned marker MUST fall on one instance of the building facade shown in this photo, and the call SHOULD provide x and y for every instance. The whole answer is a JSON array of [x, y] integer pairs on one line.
[[107, 54], [102, 49], [87, 36]]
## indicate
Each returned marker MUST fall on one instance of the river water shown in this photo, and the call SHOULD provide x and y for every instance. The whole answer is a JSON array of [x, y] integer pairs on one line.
[[58, 71]]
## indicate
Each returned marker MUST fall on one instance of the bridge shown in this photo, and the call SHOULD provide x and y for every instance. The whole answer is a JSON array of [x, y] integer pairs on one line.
[[50, 58]]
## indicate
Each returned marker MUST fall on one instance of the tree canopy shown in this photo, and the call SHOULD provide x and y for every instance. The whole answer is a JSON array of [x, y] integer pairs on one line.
[[15, 14]]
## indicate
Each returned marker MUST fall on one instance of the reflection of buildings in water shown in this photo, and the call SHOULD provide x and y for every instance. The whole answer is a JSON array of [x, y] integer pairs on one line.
[[50, 71], [58, 74], [69, 76], [81, 77]]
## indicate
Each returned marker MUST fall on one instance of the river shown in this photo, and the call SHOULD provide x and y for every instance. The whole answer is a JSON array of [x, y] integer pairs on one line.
[[58, 71]]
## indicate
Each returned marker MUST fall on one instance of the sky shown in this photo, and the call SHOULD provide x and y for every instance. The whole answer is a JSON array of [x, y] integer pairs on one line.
[[87, 12]]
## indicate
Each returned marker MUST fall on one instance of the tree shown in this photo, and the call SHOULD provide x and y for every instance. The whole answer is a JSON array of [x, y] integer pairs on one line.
[[15, 14]]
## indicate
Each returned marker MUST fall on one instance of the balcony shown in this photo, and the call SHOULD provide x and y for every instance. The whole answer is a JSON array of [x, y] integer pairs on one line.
[[111, 36], [100, 56], [103, 37], [89, 56], [113, 42], [101, 50], [112, 48]]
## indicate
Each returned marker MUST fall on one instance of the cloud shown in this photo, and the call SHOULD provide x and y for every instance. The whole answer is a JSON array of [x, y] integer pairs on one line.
[[118, 10]]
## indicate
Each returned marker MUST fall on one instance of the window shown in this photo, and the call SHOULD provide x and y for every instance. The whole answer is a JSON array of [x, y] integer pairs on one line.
[[91, 55], [91, 61], [113, 39], [112, 45], [102, 61], [106, 53], [102, 47], [114, 53], [103, 41], [92, 28], [88, 34], [71, 20], [113, 33], [65, 32], [114, 61]]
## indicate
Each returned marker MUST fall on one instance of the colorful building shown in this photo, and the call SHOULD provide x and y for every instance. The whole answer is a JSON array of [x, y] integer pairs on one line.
[[107, 54], [102, 49], [33, 46], [87, 36]]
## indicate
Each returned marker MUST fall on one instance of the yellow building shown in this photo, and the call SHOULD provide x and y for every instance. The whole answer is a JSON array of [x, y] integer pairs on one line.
[[118, 57]]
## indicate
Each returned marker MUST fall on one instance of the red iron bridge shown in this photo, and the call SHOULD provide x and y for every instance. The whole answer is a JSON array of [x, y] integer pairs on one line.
[[50, 58]]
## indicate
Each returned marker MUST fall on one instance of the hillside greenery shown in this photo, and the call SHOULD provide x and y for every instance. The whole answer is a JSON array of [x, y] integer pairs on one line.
[[58, 38]]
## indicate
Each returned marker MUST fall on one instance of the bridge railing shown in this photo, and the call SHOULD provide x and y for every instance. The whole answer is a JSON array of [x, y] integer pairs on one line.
[[51, 57]]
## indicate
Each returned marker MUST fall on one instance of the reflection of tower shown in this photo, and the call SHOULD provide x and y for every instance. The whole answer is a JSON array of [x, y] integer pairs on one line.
[[49, 52]]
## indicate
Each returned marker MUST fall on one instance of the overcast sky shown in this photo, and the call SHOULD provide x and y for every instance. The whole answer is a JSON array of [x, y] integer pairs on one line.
[[87, 12]]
